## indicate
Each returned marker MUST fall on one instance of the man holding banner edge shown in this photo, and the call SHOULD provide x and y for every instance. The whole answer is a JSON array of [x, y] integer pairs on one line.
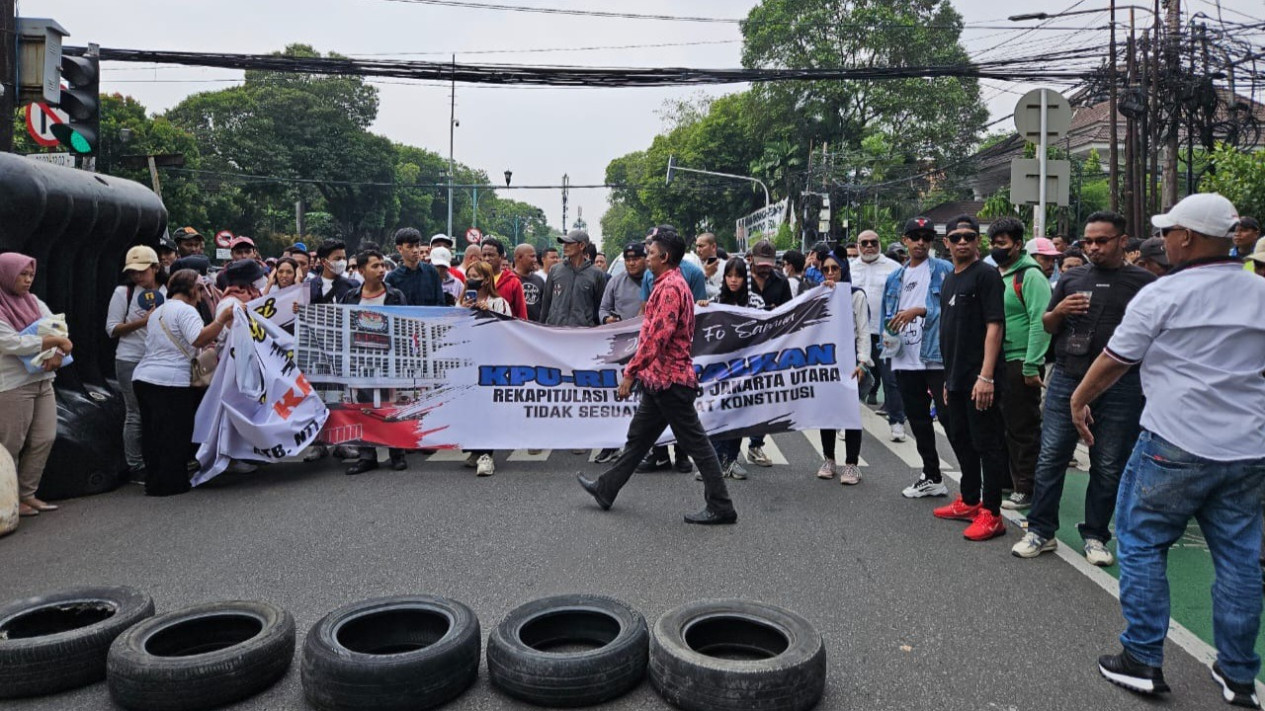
[[664, 370]]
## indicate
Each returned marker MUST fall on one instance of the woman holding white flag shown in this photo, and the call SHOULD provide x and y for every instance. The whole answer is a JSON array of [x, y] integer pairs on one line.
[[164, 383], [28, 409]]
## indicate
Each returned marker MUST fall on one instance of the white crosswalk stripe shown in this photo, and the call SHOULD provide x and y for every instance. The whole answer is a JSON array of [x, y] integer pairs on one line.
[[448, 455], [524, 455], [877, 426], [814, 438], [770, 450]]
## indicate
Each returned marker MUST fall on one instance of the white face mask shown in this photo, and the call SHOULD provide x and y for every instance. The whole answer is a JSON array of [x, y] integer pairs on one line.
[[338, 267], [260, 283], [867, 258]]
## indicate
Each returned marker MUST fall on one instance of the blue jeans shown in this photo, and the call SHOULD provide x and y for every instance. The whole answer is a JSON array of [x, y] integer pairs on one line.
[[1163, 488], [1116, 413]]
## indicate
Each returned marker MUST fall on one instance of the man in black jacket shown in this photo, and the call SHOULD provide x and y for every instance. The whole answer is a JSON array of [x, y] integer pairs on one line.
[[374, 292], [331, 286]]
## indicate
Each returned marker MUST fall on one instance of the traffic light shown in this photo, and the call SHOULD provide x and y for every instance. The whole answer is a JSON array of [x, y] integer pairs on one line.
[[81, 101]]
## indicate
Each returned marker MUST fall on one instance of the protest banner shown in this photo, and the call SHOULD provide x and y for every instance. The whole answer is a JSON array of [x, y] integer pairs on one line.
[[434, 377], [278, 306], [259, 407]]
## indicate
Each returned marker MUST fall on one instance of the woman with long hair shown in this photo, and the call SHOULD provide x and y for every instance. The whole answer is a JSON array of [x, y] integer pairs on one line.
[[850, 473], [734, 291], [127, 319], [28, 409], [284, 275], [164, 384], [481, 282]]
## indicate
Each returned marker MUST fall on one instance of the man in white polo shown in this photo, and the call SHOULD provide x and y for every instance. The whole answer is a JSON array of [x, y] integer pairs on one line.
[[1200, 339]]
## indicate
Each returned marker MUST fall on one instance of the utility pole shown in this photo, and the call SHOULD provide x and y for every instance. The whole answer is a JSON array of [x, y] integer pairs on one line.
[[1113, 154], [8, 72], [452, 129], [566, 183], [1131, 137], [1172, 49]]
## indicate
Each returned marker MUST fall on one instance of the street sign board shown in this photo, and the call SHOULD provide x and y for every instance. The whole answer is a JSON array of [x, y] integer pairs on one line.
[[65, 160], [222, 238], [40, 119], [1024, 185], [223, 253], [473, 235], [1028, 115]]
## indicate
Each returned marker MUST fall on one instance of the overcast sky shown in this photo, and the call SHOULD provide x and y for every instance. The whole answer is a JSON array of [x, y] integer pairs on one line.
[[539, 133]]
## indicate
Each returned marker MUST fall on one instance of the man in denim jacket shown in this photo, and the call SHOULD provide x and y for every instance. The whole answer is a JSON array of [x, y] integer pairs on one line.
[[911, 323]]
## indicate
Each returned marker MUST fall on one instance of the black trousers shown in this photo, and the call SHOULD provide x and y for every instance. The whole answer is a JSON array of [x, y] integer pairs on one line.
[[978, 441], [167, 415], [918, 389], [369, 453], [673, 408], [1021, 409], [851, 445]]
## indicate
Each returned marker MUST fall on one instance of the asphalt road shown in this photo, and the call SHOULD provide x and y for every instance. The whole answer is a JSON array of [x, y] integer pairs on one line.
[[913, 615]]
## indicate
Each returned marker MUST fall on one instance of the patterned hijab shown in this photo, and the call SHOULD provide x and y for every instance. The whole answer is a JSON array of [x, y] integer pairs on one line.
[[18, 311]]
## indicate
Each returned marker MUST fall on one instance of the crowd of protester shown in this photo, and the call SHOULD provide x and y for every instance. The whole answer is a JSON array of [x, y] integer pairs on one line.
[[1151, 351]]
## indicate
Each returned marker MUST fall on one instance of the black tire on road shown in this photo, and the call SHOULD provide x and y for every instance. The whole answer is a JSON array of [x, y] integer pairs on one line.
[[569, 650], [399, 653], [723, 655], [201, 657], [59, 641]]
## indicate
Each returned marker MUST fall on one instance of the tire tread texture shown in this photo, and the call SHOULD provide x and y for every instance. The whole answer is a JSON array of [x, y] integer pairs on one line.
[[569, 679], [792, 681], [142, 681], [36, 666], [338, 679]]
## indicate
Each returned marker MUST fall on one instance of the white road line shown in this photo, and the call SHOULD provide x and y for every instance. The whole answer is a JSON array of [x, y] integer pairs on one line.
[[448, 455], [814, 438], [877, 426], [523, 455], [772, 452]]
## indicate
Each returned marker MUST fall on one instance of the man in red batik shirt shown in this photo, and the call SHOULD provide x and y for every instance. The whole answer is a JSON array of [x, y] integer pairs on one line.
[[665, 371]]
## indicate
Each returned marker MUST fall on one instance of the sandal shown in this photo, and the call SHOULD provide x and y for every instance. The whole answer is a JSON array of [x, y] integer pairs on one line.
[[27, 511]]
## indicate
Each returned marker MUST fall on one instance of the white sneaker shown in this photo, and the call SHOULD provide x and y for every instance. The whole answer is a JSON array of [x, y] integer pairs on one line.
[[1032, 545], [756, 456], [826, 470], [1017, 501], [851, 474], [898, 432], [925, 487], [1097, 554], [486, 467], [472, 461], [735, 471]]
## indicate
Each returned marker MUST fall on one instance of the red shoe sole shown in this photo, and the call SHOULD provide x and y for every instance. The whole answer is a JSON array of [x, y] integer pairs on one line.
[[991, 533]]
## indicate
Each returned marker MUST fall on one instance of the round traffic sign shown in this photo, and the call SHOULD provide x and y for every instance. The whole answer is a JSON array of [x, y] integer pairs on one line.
[[40, 119], [1028, 115], [473, 235], [222, 238]]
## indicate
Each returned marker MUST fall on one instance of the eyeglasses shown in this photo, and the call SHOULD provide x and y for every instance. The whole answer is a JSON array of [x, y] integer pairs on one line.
[[869, 243], [921, 237], [831, 269], [1099, 241], [959, 237]]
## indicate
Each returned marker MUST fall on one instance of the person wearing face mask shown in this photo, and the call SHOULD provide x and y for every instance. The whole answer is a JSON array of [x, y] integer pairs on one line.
[[331, 286], [869, 273], [1027, 293]]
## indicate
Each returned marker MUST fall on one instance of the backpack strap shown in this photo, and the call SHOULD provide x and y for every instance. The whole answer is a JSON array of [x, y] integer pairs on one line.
[[1017, 283]]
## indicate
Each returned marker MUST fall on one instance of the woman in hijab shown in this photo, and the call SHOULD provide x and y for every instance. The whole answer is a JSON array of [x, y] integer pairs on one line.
[[28, 410]]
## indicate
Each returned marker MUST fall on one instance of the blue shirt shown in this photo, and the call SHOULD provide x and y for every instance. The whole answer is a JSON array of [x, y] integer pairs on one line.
[[421, 286], [693, 276]]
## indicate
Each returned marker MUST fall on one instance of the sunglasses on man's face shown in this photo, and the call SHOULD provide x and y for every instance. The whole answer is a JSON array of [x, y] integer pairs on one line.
[[869, 243], [960, 237], [921, 237]]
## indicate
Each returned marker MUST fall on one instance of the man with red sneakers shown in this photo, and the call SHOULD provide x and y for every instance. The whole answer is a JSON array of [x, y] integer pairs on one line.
[[973, 322]]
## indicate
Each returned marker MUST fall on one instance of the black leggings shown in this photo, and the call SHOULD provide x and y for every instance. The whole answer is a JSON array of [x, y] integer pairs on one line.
[[167, 415], [851, 445]]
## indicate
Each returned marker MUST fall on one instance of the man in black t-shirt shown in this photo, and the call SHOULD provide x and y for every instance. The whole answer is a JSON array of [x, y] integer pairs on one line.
[[972, 326], [1087, 305], [533, 284]]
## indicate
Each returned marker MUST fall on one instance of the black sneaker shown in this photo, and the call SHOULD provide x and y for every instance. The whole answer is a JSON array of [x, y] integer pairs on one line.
[[684, 465], [1125, 671], [606, 455], [651, 464], [1236, 693]]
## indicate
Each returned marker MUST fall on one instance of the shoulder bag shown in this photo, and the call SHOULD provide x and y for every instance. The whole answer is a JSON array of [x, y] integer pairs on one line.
[[201, 364]]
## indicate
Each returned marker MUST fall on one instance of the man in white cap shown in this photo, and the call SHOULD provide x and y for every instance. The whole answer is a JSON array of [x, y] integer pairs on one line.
[[441, 260], [1199, 338]]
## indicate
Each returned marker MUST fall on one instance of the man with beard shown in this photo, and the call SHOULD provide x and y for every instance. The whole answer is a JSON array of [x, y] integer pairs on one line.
[[869, 274], [188, 242]]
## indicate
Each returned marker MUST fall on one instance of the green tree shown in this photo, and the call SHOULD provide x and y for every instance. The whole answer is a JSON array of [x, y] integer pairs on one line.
[[1240, 177]]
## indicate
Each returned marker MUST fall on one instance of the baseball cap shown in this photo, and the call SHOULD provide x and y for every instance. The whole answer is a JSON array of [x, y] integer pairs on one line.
[[574, 236], [1041, 245], [239, 241], [185, 233], [139, 258], [440, 237], [1209, 214], [763, 252], [440, 256], [1153, 249], [300, 246], [1258, 256], [635, 250], [165, 243], [242, 272], [1250, 223], [918, 224], [958, 222]]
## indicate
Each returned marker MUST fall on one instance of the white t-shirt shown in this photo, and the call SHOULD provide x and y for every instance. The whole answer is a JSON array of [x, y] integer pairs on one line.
[[1199, 336], [913, 293], [378, 300], [131, 346], [165, 362]]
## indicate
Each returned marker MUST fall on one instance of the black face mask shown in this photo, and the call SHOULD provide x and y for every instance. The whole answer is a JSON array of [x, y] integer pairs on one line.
[[1001, 255], [474, 284]]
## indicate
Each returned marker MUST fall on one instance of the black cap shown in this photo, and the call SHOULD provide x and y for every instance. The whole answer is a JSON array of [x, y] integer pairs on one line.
[[959, 221], [186, 233], [1153, 249], [243, 272], [199, 263], [634, 249], [918, 224], [763, 252], [166, 245], [1249, 223]]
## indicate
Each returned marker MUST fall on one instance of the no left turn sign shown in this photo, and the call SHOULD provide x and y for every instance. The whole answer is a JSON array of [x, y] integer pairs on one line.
[[473, 235], [223, 238]]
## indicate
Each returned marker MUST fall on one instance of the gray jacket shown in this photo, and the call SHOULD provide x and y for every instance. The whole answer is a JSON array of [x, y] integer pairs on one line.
[[573, 295], [622, 297]]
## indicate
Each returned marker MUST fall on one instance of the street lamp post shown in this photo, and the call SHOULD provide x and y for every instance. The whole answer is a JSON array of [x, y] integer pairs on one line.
[[673, 167]]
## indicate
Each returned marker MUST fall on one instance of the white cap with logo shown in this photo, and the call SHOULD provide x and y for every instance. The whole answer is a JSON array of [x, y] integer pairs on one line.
[[440, 257], [1209, 214]]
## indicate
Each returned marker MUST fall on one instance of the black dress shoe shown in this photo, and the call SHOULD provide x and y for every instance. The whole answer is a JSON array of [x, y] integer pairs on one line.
[[650, 464], [1125, 671], [399, 465], [707, 517], [361, 466], [591, 486], [684, 465]]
